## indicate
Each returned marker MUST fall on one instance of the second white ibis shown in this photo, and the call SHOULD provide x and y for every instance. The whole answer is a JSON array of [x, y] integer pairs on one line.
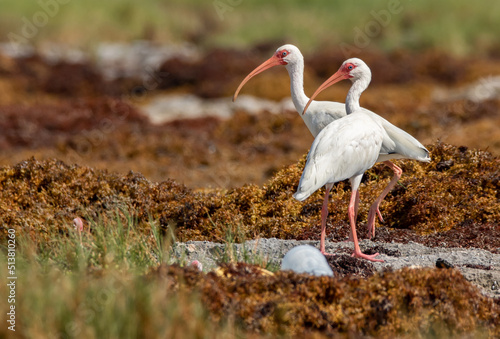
[[346, 148]]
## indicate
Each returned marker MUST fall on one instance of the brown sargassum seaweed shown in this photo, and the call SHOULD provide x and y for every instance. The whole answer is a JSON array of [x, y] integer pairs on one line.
[[458, 190], [408, 303]]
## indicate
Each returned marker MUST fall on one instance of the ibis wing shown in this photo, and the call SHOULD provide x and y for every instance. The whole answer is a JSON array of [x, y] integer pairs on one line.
[[399, 144], [405, 144]]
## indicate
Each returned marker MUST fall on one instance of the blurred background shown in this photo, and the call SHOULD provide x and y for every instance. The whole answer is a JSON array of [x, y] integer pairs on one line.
[[146, 86]]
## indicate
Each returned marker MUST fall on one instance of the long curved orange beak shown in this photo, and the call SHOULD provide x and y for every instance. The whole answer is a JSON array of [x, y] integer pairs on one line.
[[271, 62], [338, 76]]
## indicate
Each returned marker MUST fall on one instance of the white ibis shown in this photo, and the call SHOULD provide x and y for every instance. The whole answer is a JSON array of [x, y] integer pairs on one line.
[[400, 145], [321, 113], [346, 148], [306, 259]]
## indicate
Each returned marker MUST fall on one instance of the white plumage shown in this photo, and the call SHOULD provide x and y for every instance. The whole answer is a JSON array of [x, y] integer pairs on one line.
[[344, 149]]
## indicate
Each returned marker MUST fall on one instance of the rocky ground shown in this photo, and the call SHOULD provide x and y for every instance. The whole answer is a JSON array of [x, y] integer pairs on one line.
[[480, 267]]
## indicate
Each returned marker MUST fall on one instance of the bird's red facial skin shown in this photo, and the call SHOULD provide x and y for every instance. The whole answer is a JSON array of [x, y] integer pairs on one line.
[[282, 54], [348, 68]]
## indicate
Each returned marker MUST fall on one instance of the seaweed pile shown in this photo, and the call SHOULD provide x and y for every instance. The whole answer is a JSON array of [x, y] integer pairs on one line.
[[406, 303], [458, 190]]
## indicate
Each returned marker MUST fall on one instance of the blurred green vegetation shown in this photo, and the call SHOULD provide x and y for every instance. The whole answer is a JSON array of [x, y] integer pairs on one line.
[[460, 27], [94, 285]]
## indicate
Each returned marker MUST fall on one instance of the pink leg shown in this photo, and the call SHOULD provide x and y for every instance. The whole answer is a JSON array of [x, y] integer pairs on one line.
[[352, 219], [356, 208], [324, 215], [374, 209]]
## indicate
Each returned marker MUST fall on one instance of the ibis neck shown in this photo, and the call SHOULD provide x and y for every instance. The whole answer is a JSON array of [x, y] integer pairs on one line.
[[296, 73], [352, 99]]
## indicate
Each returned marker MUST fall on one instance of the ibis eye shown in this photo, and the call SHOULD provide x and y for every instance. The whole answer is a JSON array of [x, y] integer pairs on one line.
[[284, 54], [350, 67]]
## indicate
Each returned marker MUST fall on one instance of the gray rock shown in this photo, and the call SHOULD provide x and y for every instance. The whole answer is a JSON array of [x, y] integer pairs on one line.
[[306, 259]]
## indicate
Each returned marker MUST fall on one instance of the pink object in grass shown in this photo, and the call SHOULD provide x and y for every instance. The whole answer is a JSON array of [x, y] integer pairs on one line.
[[196, 264], [78, 224]]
